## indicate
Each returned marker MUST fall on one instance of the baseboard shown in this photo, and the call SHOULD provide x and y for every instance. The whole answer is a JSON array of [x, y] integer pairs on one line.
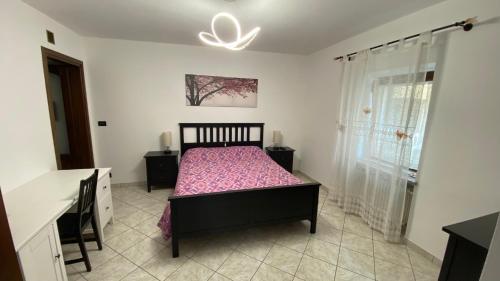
[[127, 184], [423, 252]]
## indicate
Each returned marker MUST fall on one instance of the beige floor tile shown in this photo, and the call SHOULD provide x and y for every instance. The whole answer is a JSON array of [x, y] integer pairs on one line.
[[323, 250], [124, 211], [283, 258], [257, 249], [331, 208], [294, 240], [131, 196], [73, 249], [125, 240], [149, 226], [231, 239], [96, 257], [269, 273], [311, 269], [422, 277], [219, 277], [395, 253], [212, 255], [163, 265], [143, 251], [357, 262], [72, 273], [378, 236], [188, 247], [328, 233], [143, 202], [160, 194], [386, 271], [113, 270], [333, 221], [356, 225], [139, 275], [156, 209], [346, 275], [191, 271], [158, 237], [422, 264], [239, 267], [123, 192], [114, 229], [357, 243], [135, 218], [265, 233]]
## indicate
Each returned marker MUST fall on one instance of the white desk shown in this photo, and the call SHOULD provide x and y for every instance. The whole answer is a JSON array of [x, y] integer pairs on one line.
[[35, 207]]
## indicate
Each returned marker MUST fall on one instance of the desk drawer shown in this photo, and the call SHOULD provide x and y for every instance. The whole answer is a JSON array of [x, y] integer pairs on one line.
[[105, 209], [103, 187]]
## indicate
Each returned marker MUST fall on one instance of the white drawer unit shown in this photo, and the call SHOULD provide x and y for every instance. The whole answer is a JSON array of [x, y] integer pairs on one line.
[[33, 210], [104, 205], [41, 257]]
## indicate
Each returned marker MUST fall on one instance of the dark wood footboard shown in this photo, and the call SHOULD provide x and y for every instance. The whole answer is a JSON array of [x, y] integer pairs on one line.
[[213, 212]]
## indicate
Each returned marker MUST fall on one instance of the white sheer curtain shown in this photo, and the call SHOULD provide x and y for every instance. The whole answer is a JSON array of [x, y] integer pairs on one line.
[[382, 92]]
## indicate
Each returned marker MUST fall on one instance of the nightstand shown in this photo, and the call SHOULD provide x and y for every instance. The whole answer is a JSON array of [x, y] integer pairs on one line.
[[161, 168], [282, 155]]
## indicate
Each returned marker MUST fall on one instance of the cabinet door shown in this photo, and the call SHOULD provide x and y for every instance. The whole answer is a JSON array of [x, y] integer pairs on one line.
[[41, 258]]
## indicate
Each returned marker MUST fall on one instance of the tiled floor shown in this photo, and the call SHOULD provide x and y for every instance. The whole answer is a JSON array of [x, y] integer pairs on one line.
[[344, 248]]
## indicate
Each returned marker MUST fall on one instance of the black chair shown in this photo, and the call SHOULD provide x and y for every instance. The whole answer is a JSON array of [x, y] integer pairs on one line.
[[72, 224]]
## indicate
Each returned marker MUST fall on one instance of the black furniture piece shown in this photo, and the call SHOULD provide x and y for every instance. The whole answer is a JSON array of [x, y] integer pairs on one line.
[[161, 168], [467, 248], [214, 212], [72, 225], [282, 155]]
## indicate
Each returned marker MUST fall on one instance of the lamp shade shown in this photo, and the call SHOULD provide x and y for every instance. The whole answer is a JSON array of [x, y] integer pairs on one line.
[[166, 139], [277, 137]]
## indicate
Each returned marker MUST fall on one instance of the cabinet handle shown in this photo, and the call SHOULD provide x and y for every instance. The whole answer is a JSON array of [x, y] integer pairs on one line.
[[104, 188], [58, 256], [107, 208]]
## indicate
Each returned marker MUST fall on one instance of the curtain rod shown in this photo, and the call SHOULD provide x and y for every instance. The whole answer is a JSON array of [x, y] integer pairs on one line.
[[467, 25]]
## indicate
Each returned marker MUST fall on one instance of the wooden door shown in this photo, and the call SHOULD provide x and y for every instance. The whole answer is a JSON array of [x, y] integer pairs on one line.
[[9, 266], [72, 84]]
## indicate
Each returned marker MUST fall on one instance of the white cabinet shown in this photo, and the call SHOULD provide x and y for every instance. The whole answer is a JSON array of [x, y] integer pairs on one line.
[[104, 205], [41, 257]]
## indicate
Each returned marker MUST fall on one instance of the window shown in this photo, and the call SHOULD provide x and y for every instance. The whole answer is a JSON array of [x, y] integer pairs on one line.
[[388, 102]]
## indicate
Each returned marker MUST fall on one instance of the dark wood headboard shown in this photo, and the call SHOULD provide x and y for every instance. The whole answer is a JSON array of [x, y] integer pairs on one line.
[[221, 134]]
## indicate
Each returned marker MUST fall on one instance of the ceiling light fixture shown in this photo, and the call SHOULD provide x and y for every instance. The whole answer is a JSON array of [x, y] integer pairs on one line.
[[240, 43]]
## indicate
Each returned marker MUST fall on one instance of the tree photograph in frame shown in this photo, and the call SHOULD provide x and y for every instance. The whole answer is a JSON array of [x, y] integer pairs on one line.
[[205, 90]]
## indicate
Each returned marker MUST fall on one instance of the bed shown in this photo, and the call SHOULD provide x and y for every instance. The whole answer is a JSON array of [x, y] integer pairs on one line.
[[226, 181]]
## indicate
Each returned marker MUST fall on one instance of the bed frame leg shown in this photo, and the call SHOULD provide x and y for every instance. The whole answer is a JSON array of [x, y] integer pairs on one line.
[[314, 213], [175, 247], [313, 226]]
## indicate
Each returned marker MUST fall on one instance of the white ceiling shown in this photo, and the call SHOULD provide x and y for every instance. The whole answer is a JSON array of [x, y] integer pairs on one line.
[[288, 26]]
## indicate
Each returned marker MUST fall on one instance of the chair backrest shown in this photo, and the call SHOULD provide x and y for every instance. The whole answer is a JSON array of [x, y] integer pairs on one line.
[[86, 198]]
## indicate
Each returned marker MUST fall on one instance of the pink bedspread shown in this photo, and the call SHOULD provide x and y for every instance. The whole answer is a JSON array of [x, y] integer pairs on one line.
[[206, 170]]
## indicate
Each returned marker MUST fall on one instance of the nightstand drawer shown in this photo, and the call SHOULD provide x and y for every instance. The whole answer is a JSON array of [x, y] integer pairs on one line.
[[161, 164]]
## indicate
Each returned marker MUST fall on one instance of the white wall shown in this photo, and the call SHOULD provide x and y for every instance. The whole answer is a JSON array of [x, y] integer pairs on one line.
[[26, 146], [138, 88], [460, 161]]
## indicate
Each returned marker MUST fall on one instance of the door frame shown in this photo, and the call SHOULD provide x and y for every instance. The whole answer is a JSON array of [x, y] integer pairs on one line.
[[51, 54]]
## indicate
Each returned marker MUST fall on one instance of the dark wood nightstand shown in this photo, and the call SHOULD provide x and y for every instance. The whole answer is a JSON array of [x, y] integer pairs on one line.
[[161, 168], [282, 155]]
